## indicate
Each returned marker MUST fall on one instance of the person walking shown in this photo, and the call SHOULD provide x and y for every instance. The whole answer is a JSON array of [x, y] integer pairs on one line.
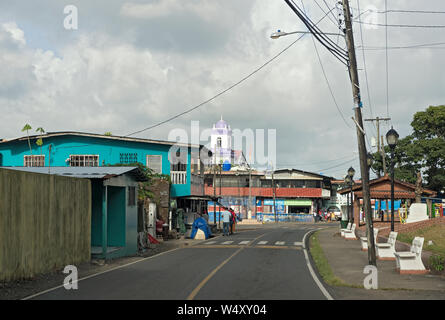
[[226, 217], [232, 221], [315, 215]]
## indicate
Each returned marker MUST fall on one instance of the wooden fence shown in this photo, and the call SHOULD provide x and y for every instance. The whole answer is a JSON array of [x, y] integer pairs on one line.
[[45, 223]]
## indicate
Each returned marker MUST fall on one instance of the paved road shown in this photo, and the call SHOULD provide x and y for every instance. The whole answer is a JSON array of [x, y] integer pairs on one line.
[[264, 263]]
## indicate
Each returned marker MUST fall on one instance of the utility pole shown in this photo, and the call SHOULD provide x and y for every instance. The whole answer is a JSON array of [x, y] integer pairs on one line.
[[220, 194], [381, 151], [273, 190], [214, 186], [377, 120], [364, 169]]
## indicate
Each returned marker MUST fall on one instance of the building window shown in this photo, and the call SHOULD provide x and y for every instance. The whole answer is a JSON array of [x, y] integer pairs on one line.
[[219, 142], [154, 162], [131, 196], [84, 160], [34, 161], [126, 158], [179, 167]]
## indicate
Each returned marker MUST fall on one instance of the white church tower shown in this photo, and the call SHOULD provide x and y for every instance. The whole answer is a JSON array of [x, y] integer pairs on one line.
[[221, 142]]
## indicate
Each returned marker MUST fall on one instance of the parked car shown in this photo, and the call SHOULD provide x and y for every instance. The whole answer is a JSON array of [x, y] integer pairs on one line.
[[336, 212]]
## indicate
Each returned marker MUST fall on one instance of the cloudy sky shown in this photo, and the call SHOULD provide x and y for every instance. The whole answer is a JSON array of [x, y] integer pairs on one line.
[[132, 64]]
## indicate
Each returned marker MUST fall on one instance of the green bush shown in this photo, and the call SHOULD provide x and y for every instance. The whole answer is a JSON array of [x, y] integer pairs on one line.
[[436, 262]]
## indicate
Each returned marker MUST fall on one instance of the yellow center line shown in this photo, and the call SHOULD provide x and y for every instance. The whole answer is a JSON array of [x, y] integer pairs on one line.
[[206, 279]]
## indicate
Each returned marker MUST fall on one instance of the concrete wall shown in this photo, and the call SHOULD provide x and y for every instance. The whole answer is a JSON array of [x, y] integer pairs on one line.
[[45, 223]]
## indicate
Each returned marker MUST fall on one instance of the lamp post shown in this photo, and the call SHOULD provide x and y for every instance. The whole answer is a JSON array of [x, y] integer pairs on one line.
[[351, 173], [348, 182], [391, 138], [370, 161]]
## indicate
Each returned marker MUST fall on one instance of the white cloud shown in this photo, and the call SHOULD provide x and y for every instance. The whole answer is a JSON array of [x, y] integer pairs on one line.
[[102, 79]]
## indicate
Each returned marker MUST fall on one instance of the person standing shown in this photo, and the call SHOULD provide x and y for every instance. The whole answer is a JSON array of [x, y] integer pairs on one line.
[[226, 217], [232, 221], [315, 215]]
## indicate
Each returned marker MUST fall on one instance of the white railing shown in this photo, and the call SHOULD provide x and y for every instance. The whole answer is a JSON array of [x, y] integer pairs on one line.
[[178, 177]]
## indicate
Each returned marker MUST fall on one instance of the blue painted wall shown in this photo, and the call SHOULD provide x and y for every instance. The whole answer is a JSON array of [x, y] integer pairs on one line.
[[12, 153]]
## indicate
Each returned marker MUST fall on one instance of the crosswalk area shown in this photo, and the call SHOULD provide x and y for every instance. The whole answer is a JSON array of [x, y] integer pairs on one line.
[[252, 243]]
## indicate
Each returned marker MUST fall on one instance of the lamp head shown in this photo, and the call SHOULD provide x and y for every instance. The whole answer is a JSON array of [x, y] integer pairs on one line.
[[351, 172], [369, 159], [277, 34], [392, 137]]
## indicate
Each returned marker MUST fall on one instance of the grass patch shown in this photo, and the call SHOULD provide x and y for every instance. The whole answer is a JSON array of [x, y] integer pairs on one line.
[[323, 266], [435, 233]]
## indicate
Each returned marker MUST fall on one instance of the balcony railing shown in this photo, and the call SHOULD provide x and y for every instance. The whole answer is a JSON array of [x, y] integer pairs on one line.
[[178, 177]]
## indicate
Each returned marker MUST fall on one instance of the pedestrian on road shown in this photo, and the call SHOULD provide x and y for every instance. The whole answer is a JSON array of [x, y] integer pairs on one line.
[[226, 217], [315, 215], [232, 221]]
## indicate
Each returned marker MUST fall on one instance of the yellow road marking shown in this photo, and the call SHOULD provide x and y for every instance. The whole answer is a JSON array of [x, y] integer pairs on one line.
[[206, 279]]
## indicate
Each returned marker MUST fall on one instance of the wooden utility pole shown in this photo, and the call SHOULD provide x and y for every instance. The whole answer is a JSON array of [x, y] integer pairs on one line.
[[364, 169], [273, 190], [377, 120], [214, 186]]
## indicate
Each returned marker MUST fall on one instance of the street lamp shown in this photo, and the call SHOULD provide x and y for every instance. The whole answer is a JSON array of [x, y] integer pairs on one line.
[[348, 182], [391, 138], [280, 33], [351, 173], [369, 159]]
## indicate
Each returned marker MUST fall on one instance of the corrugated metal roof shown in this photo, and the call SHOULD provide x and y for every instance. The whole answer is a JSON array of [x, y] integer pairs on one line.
[[83, 172], [102, 136]]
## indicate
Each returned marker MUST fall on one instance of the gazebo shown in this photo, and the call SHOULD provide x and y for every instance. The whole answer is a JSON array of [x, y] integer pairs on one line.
[[380, 189]]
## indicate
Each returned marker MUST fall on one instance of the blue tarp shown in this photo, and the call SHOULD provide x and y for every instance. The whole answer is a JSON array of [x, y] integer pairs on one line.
[[200, 223]]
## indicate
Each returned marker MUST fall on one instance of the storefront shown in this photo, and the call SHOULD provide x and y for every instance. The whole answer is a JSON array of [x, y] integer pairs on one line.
[[300, 206]]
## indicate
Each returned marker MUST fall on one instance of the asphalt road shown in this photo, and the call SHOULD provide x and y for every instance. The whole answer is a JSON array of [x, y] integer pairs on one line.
[[263, 263]]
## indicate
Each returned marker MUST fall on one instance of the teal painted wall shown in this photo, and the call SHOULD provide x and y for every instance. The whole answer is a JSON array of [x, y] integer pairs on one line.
[[96, 213], [116, 221], [12, 153]]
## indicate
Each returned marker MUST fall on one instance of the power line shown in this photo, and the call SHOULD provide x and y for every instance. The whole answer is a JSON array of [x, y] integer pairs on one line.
[[406, 11], [330, 45], [364, 66], [313, 163], [341, 164], [419, 46], [224, 91], [386, 55], [327, 81], [401, 25]]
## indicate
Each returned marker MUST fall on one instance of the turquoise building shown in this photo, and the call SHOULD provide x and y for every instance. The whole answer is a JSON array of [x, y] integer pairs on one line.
[[181, 162], [114, 208]]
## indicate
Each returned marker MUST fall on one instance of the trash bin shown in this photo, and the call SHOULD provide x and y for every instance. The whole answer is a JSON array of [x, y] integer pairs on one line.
[[344, 224]]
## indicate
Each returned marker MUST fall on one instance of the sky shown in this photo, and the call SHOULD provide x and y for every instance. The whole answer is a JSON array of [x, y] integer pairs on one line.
[[132, 64]]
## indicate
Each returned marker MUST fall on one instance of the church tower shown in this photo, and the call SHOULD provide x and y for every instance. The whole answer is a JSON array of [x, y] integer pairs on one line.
[[221, 142]]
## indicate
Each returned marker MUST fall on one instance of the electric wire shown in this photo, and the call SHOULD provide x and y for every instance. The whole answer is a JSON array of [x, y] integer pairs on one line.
[[366, 71], [327, 81], [338, 52], [225, 90]]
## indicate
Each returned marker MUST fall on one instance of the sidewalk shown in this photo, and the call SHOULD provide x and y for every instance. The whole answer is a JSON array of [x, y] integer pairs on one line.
[[347, 262]]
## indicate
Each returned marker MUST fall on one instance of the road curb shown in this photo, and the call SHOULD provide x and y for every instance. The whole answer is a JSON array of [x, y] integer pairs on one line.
[[309, 265]]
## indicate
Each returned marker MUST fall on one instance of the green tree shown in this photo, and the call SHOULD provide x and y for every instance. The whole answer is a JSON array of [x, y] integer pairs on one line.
[[26, 128], [39, 141], [144, 187], [429, 139], [423, 150]]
